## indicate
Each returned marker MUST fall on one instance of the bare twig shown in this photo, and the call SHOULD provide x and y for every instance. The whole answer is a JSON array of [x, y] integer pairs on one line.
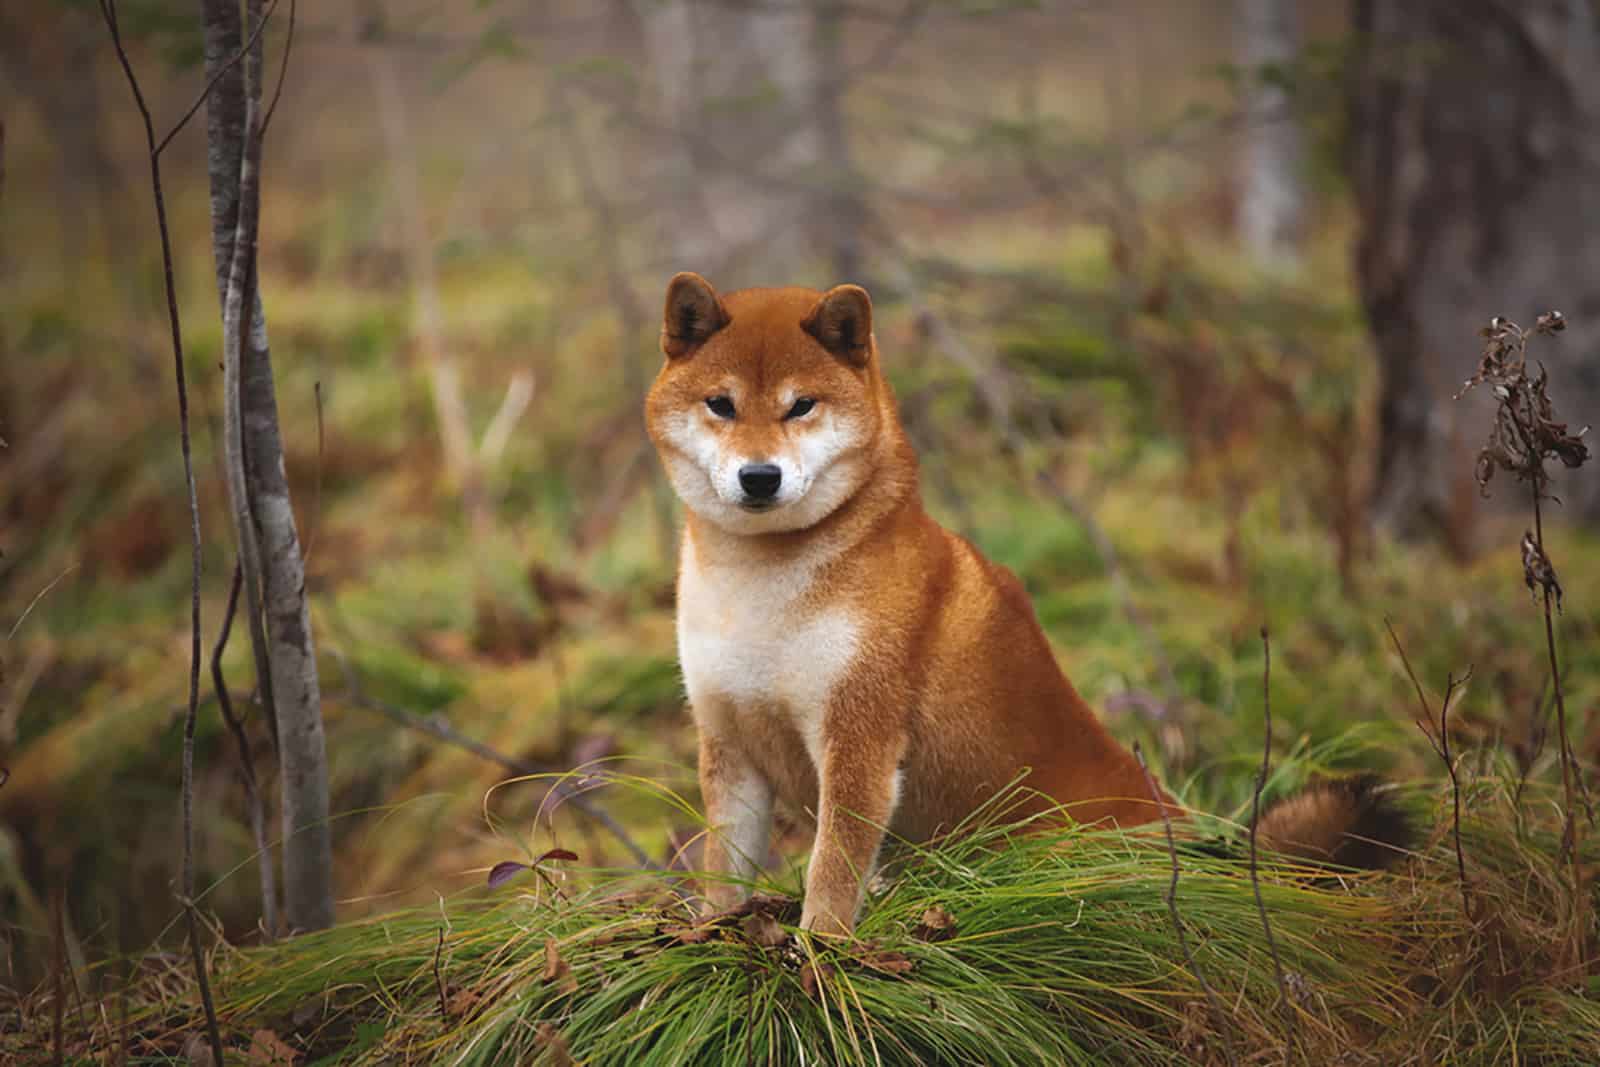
[[1439, 738], [1532, 746], [1571, 772], [438, 977], [58, 997], [1217, 1018], [205, 94], [631, 314], [428, 324], [316, 495], [247, 770], [1290, 1018], [108, 10], [40, 595], [435, 726], [283, 67], [519, 394]]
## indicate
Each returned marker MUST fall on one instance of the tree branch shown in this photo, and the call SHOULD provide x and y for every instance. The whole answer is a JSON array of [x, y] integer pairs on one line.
[[436, 727], [247, 770], [1217, 1018], [1290, 1019], [205, 94], [108, 10]]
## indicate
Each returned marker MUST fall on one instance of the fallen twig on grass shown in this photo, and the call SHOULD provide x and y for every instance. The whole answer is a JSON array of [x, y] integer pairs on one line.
[[1213, 1005]]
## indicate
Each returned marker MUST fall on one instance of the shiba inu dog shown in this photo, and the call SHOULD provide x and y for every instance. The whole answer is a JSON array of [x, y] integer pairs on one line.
[[848, 660]]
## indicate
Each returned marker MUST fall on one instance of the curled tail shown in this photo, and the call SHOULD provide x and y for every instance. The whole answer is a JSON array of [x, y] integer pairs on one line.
[[1348, 822]]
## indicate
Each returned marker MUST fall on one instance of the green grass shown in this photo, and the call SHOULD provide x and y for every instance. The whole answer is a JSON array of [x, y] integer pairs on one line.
[[1060, 950]]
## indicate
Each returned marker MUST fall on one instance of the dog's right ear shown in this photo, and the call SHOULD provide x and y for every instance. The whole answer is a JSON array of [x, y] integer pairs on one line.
[[693, 313]]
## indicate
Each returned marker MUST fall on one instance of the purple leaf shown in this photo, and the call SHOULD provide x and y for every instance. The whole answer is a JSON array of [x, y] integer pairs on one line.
[[556, 854], [502, 873]]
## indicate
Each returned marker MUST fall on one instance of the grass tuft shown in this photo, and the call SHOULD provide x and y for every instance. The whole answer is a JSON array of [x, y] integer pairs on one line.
[[1011, 945]]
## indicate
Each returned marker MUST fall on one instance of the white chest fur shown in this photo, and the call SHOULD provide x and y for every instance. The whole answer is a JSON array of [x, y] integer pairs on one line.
[[752, 637]]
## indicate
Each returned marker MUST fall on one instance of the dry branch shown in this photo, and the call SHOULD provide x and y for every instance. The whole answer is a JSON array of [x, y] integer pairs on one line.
[[108, 10], [1218, 1019], [1439, 738], [1286, 1004], [436, 727], [247, 770]]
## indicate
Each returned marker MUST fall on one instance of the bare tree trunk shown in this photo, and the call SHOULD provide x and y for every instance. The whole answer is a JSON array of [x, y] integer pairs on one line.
[[632, 318], [444, 374], [1475, 156], [1271, 193], [840, 217], [263, 515], [739, 83]]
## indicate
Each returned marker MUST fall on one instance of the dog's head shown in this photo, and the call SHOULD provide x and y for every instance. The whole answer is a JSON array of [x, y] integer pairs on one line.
[[768, 406]]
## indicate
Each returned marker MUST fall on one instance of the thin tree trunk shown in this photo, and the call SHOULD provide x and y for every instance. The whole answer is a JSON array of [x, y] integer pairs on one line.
[[256, 448], [444, 374], [1271, 195], [632, 319], [741, 78], [840, 217], [225, 144]]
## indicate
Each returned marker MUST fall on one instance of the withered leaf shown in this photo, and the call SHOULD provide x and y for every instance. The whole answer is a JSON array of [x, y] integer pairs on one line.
[[463, 1002], [812, 974], [267, 1049], [556, 969], [552, 1042], [197, 1052], [889, 962], [936, 924], [1537, 571], [762, 929], [689, 935]]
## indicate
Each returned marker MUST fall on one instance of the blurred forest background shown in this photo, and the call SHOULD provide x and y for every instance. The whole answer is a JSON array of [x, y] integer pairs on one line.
[[1175, 295]]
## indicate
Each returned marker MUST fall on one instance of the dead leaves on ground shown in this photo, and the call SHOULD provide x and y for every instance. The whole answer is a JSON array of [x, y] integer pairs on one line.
[[760, 923], [763, 930], [267, 1049]]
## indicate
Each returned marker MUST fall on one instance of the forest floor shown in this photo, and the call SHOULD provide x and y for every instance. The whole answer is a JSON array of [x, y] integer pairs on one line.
[[1209, 451]]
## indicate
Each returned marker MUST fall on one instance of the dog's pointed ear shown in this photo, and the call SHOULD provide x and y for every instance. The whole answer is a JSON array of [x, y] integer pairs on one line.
[[693, 313], [842, 323]]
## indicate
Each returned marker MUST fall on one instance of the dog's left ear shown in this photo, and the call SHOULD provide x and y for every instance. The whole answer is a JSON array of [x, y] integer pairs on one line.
[[842, 323]]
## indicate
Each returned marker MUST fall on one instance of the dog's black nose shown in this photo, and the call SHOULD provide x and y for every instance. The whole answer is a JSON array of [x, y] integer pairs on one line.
[[760, 481]]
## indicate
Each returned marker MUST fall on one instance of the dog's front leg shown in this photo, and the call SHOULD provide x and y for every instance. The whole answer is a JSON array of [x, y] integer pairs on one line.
[[860, 786], [738, 803]]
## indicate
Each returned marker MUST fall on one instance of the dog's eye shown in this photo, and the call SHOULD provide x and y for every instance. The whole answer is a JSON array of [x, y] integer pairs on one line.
[[802, 407], [720, 406]]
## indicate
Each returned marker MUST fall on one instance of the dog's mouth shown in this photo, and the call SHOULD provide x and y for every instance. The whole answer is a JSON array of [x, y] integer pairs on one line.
[[758, 504]]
